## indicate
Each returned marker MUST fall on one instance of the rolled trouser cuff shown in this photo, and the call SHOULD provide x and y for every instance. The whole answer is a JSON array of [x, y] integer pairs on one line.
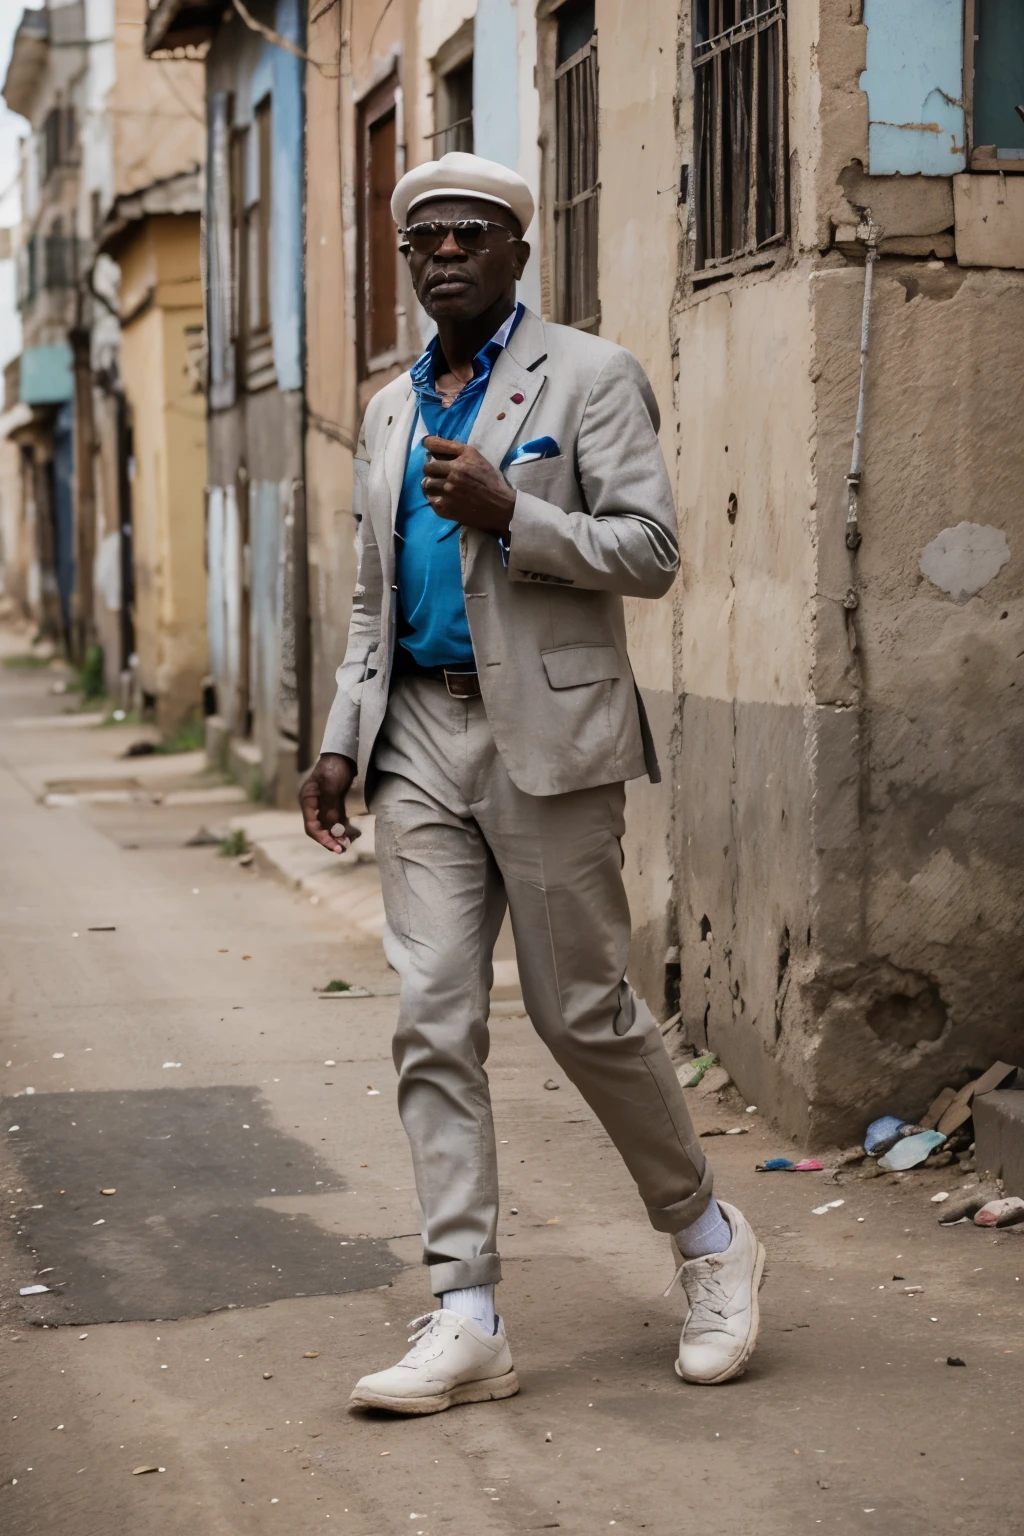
[[673, 1218], [460, 1274]]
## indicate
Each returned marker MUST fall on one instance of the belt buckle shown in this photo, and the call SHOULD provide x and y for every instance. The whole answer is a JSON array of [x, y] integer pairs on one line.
[[455, 693]]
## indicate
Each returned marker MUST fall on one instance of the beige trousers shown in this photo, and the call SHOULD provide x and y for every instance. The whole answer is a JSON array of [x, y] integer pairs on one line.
[[456, 841]]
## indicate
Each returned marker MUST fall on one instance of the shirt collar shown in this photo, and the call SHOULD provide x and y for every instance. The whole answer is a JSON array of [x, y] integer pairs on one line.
[[422, 371]]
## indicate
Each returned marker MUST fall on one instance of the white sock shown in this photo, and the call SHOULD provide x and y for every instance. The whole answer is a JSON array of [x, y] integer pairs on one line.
[[710, 1233], [477, 1302]]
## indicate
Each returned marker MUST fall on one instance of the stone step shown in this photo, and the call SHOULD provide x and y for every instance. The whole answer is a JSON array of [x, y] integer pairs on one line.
[[999, 1135]]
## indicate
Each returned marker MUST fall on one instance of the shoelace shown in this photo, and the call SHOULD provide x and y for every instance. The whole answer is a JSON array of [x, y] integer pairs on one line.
[[425, 1328], [706, 1297]]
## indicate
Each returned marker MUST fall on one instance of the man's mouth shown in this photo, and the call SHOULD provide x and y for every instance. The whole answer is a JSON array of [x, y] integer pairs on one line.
[[447, 282]]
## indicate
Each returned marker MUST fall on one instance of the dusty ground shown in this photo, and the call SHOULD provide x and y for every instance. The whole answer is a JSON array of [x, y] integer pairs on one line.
[[263, 1213]]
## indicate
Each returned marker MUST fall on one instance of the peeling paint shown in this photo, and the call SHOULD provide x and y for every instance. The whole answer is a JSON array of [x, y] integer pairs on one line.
[[914, 62], [964, 559]]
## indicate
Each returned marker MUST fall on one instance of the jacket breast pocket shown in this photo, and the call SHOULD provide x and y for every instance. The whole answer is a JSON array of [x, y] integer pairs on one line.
[[573, 666], [538, 475]]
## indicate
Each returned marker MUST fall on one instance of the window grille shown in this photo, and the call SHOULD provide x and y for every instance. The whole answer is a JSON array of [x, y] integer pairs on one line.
[[739, 62], [60, 142], [454, 101], [576, 183], [377, 312]]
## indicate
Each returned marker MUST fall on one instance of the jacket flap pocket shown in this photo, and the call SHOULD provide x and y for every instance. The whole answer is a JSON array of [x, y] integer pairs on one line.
[[574, 665]]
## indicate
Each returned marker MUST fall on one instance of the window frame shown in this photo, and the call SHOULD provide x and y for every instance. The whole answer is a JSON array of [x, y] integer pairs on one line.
[[977, 162], [253, 289], [380, 103], [452, 57], [554, 253], [753, 253]]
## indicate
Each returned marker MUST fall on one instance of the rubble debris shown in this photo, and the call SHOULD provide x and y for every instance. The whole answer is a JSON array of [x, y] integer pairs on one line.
[[715, 1080], [551, 1085], [205, 838], [963, 1206], [910, 1150], [691, 1072], [1008, 1212], [955, 1360], [937, 1108], [884, 1132], [783, 1165], [943, 1194]]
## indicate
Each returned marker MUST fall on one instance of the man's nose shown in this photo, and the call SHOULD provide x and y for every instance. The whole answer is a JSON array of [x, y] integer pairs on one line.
[[449, 248]]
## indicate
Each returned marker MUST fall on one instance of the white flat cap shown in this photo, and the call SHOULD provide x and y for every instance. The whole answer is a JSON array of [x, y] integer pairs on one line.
[[461, 175]]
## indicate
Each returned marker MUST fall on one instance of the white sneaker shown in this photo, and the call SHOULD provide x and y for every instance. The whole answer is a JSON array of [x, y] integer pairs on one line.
[[452, 1360], [720, 1332]]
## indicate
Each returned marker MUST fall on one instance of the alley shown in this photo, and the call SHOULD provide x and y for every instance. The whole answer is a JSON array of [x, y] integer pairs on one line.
[[164, 1039]]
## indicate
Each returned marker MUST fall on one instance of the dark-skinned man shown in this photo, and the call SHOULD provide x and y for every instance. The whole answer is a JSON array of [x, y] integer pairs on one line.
[[511, 491]]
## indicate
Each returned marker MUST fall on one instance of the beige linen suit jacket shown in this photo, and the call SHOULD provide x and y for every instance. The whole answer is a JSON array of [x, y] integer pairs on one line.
[[592, 525]]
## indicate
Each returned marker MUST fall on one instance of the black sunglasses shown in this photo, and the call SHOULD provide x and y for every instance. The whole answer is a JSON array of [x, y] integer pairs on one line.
[[427, 238]]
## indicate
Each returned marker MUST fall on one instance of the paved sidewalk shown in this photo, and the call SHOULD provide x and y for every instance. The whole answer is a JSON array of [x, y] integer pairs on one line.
[[209, 1317]]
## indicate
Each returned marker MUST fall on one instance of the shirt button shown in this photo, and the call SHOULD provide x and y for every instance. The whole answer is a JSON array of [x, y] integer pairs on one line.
[[501, 415]]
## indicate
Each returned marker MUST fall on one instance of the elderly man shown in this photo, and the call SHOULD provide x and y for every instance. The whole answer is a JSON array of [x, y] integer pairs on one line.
[[511, 491]]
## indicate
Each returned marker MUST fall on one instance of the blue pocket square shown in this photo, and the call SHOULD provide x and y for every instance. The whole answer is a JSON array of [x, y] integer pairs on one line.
[[536, 448]]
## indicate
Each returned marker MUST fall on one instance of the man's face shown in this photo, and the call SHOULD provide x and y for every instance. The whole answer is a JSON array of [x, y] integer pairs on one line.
[[454, 284]]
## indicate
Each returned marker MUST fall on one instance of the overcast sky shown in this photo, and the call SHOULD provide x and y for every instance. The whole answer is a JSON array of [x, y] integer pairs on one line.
[[12, 128]]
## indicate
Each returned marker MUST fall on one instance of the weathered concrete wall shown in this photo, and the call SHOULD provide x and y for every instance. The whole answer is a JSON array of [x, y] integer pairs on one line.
[[848, 838], [162, 263], [924, 980], [742, 780], [638, 234]]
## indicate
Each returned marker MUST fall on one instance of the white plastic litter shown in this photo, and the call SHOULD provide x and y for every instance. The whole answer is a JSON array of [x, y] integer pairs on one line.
[[168, 1064], [820, 1210], [33, 1290]]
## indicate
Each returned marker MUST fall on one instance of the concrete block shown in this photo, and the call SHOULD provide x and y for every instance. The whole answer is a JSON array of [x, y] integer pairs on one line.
[[216, 740], [901, 205], [245, 765], [989, 220], [999, 1136], [940, 246]]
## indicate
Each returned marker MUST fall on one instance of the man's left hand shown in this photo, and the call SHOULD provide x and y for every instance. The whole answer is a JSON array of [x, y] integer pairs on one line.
[[460, 484]]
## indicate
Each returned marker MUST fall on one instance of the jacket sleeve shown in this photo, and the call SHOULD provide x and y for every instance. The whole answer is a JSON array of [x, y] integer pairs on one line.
[[626, 540], [364, 631]]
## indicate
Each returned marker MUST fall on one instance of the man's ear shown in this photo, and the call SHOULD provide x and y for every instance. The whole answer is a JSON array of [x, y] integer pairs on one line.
[[522, 257]]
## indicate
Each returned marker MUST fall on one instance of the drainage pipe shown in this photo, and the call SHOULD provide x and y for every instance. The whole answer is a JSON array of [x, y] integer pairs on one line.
[[853, 533]]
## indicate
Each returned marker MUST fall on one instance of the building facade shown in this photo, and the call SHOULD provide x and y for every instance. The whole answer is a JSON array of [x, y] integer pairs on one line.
[[808, 223], [110, 551], [257, 609]]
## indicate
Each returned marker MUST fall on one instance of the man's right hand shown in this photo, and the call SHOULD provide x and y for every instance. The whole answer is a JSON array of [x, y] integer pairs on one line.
[[322, 798]]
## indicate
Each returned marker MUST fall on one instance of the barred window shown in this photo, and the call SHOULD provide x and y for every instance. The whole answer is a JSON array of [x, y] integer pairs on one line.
[[377, 309], [739, 64], [453, 109], [576, 183]]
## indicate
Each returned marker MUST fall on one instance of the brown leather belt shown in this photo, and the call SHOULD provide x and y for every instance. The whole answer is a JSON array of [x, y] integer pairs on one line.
[[460, 685]]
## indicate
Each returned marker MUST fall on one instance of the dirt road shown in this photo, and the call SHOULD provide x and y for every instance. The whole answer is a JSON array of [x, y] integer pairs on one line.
[[259, 1252]]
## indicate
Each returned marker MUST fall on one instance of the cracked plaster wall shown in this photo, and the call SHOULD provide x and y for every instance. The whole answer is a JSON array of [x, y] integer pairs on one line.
[[847, 831]]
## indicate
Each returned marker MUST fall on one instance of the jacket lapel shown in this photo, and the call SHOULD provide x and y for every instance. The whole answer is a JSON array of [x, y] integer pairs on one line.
[[518, 371], [396, 454]]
